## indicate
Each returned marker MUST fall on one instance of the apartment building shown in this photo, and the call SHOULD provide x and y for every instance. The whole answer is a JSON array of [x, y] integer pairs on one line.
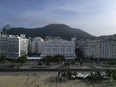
[[100, 49], [13, 46]]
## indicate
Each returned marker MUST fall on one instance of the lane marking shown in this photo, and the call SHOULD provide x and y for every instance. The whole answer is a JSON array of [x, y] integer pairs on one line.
[[12, 85]]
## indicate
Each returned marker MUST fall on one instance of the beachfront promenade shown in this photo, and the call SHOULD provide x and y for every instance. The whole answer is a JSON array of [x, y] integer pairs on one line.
[[34, 67], [31, 75]]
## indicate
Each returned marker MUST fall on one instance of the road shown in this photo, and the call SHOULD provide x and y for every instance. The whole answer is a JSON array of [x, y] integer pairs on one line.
[[49, 70]]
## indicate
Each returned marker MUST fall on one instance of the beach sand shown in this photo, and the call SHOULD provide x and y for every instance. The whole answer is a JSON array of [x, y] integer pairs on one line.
[[45, 81]]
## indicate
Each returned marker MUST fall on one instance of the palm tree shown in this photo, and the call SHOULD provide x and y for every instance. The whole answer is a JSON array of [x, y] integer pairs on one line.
[[69, 73], [114, 74], [59, 73], [75, 73], [99, 76], [108, 73], [64, 73]]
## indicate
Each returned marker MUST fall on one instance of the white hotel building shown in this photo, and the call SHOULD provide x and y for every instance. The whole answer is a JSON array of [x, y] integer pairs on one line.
[[57, 46], [13, 46]]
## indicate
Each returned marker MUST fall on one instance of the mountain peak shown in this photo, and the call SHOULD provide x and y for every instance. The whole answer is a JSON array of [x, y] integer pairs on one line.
[[57, 25], [7, 26]]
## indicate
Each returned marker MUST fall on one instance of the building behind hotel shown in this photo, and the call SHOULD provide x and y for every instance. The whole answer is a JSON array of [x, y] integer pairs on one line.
[[35, 45]]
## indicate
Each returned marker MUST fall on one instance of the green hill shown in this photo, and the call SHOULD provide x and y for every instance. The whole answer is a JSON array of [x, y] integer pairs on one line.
[[54, 30]]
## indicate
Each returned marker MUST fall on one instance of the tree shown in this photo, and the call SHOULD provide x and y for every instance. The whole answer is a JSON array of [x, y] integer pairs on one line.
[[97, 63], [22, 59], [75, 73], [114, 77], [47, 63], [59, 58], [113, 63], [59, 73], [114, 74], [67, 64], [73, 63], [110, 63], [40, 63], [105, 63], [81, 63], [3, 58], [64, 73], [49, 58], [108, 73], [69, 73], [99, 76], [12, 60]]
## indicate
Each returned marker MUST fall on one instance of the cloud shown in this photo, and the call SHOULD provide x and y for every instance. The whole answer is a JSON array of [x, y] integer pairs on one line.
[[89, 15]]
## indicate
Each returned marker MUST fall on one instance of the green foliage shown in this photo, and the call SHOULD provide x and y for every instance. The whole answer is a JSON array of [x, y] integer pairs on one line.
[[114, 77], [59, 73], [112, 63], [81, 63], [40, 63], [108, 73], [105, 63], [12, 60], [73, 63], [69, 73], [99, 76], [67, 64], [64, 73], [111, 73], [96, 76], [75, 73], [56, 58], [22, 59], [3, 58], [49, 58], [59, 58], [47, 63]]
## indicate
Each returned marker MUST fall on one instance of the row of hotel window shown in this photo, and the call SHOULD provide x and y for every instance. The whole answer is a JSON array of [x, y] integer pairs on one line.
[[58, 50]]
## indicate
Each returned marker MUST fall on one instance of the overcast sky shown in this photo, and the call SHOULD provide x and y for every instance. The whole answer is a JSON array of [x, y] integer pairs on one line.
[[97, 17]]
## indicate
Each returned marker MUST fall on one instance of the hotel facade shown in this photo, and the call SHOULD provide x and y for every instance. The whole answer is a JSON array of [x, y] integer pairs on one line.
[[57, 46]]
